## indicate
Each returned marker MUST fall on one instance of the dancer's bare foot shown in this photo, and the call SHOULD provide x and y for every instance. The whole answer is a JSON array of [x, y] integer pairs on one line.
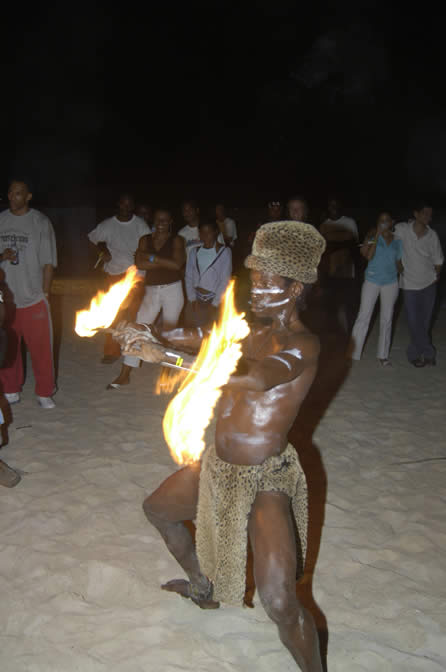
[[201, 598], [8, 477]]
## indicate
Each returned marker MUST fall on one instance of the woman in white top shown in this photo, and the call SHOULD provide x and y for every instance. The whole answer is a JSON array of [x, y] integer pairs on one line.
[[208, 271]]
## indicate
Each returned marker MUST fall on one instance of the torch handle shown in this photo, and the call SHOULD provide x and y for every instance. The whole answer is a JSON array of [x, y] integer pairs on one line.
[[175, 366], [99, 259]]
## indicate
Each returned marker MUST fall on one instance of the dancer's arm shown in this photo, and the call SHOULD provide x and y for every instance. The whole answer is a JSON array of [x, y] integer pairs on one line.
[[281, 367]]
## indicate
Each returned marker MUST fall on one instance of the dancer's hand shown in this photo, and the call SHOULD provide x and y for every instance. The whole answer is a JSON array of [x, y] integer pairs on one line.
[[124, 325], [149, 352]]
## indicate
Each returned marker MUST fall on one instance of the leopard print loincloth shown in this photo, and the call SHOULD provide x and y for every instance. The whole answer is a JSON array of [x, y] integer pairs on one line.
[[226, 495]]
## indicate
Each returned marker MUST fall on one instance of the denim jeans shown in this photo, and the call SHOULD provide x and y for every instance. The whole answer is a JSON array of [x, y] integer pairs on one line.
[[419, 305]]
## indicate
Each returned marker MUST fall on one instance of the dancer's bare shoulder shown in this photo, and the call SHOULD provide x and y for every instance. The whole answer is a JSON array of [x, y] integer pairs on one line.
[[306, 342]]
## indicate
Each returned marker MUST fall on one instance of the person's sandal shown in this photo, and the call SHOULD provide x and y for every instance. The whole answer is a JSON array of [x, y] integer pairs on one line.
[[385, 362], [419, 363]]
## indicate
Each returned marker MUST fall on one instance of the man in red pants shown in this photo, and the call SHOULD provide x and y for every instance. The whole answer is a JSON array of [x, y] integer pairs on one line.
[[27, 256]]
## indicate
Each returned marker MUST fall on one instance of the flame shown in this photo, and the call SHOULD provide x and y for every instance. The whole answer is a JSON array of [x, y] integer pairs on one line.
[[168, 381], [105, 305], [191, 410]]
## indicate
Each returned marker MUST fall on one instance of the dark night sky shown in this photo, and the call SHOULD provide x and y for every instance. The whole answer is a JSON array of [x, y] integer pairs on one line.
[[234, 102]]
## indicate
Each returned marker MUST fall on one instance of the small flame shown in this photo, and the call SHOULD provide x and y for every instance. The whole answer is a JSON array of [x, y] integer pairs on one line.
[[105, 305], [191, 410]]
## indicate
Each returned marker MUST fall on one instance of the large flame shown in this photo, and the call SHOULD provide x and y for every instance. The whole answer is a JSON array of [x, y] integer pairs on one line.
[[191, 410], [105, 305]]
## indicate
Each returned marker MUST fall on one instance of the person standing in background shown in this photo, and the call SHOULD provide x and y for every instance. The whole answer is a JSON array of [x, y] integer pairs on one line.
[[297, 208], [338, 265], [226, 226], [208, 272], [145, 211], [383, 253], [422, 261], [274, 214], [190, 232], [162, 256], [117, 240], [274, 211], [28, 257]]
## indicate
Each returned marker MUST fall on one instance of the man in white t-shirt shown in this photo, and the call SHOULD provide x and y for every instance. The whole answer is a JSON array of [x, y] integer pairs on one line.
[[338, 267], [227, 226], [190, 232], [422, 262], [117, 240]]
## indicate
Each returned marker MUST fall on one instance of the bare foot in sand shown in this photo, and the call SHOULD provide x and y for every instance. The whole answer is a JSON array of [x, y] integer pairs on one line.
[[202, 598], [8, 477]]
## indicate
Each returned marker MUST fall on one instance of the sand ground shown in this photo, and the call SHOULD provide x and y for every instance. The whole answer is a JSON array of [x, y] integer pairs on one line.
[[80, 568]]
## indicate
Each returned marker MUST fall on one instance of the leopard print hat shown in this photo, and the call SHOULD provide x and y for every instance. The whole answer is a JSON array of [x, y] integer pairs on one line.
[[290, 249]]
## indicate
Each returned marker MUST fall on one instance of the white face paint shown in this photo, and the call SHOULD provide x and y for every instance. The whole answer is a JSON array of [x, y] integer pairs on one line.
[[274, 304], [275, 290]]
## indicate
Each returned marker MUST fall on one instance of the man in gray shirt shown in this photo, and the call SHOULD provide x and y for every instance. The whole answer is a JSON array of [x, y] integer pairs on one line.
[[27, 256]]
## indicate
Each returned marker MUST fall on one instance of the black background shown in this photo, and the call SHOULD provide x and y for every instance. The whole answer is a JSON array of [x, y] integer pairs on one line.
[[208, 100]]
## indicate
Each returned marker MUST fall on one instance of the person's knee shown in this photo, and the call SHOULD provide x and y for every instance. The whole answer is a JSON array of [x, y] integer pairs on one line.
[[280, 603], [149, 510]]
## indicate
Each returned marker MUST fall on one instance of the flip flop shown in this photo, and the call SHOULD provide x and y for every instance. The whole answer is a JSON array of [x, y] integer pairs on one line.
[[114, 386]]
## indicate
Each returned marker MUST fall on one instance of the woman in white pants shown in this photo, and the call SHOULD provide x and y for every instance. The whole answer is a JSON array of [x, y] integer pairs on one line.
[[162, 256], [383, 253]]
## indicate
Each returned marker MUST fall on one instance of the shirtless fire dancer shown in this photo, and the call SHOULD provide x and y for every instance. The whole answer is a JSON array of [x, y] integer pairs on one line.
[[251, 482]]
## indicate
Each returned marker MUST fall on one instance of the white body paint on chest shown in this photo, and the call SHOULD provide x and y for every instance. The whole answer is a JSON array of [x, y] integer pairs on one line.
[[282, 360], [294, 352]]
